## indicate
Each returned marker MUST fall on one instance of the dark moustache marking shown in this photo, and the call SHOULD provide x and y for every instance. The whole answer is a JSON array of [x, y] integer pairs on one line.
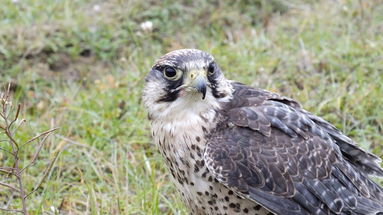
[[214, 83], [171, 94], [169, 97], [177, 60]]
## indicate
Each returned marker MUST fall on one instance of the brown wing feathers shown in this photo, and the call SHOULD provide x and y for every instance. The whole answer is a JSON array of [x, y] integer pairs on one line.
[[288, 160], [365, 161]]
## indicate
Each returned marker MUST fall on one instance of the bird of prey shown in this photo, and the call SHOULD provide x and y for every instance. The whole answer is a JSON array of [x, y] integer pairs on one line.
[[234, 149]]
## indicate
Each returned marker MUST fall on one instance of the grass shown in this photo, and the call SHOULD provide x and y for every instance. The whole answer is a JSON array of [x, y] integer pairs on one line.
[[80, 65]]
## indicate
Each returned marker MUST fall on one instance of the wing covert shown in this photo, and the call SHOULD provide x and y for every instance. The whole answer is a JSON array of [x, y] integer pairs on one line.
[[274, 153]]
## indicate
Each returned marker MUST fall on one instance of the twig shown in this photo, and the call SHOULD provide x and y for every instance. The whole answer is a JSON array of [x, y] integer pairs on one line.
[[16, 116], [33, 161], [6, 110], [21, 186], [5, 171], [39, 135], [10, 136], [7, 168], [11, 210], [9, 115], [9, 186], [6, 150], [2, 115], [46, 172], [20, 124]]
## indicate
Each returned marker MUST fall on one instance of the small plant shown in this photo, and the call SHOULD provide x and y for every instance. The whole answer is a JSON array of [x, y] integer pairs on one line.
[[12, 175]]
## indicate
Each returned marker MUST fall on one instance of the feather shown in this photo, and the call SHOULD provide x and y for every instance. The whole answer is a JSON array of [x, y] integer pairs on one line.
[[287, 160]]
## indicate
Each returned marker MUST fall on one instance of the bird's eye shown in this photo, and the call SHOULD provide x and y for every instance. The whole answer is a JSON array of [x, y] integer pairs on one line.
[[211, 68], [170, 73]]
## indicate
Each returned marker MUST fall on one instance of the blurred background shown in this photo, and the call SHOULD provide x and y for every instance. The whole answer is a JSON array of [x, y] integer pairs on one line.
[[80, 64]]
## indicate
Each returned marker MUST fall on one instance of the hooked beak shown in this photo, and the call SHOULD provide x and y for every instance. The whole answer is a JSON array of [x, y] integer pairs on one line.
[[197, 80]]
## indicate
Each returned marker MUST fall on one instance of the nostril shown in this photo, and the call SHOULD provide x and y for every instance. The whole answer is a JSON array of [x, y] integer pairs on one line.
[[192, 75]]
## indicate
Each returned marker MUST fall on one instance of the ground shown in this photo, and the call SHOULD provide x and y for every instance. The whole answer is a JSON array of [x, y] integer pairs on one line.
[[80, 65]]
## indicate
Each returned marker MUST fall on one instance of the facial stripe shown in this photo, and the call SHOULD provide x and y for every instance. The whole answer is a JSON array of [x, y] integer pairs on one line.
[[169, 97], [184, 60]]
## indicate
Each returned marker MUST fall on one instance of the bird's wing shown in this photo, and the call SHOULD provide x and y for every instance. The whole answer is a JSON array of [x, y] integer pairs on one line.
[[363, 160], [268, 150]]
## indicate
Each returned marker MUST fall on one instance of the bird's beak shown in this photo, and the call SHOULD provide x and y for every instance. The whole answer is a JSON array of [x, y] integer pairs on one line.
[[197, 80]]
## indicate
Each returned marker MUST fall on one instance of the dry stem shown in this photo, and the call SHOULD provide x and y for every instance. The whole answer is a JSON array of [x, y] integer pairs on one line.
[[8, 127]]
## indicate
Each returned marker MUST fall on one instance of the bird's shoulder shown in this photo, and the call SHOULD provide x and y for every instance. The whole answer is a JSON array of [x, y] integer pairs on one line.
[[244, 95], [263, 111]]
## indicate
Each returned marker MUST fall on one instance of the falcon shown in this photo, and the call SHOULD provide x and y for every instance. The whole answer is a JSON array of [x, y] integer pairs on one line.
[[235, 149]]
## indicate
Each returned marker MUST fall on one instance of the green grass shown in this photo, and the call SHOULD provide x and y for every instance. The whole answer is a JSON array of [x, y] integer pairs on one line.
[[81, 67]]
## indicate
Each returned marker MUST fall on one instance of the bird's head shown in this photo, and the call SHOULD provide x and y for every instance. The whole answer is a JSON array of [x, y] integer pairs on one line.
[[184, 79]]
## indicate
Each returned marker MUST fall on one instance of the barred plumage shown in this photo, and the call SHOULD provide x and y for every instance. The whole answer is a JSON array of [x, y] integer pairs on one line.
[[239, 150]]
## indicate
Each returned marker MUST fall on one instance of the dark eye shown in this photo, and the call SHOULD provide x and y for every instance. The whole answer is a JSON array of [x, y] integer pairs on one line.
[[211, 68], [170, 73]]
